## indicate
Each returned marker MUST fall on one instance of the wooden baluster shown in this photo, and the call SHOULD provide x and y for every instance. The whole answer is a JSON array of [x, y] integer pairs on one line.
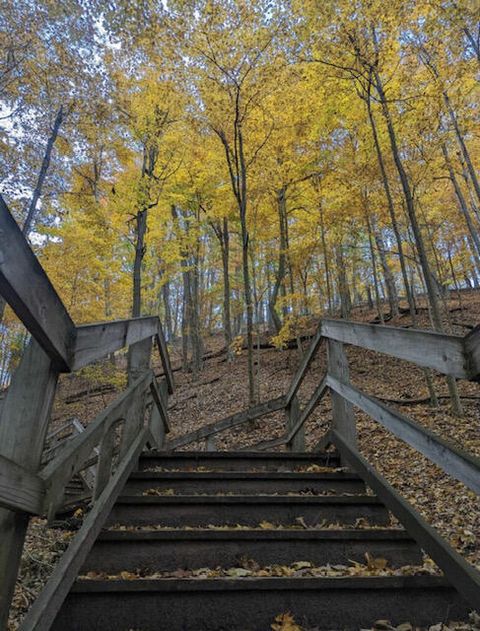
[[138, 362], [159, 425], [23, 427], [105, 458], [342, 410], [293, 414]]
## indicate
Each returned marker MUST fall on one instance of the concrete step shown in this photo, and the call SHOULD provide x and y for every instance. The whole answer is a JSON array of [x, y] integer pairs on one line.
[[244, 482], [189, 510], [252, 604], [235, 461], [169, 550]]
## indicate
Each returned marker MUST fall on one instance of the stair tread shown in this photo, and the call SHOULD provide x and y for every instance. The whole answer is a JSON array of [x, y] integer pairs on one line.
[[249, 499], [240, 475], [263, 583], [266, 455], [257, 533]]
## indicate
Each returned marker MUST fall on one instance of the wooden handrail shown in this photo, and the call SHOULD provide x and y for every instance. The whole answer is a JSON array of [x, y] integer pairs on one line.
[[445, 353], [464, 577], [58, 472], [96, 341], [20, 490], [28, 290], [454, 461]]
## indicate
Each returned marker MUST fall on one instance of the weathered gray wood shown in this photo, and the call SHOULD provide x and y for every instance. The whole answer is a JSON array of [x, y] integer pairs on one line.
[[72, 458], [441, 352], [297, 440], [160, 400], [472, 350], [165, 357], [342, 411], [105, 458], [95, 341], [306, 361], [23, 427], [458, 463], [138, 363], [290, 434], [28, 290], [251, 414], [20, 490], [45, 608], [458, 572]]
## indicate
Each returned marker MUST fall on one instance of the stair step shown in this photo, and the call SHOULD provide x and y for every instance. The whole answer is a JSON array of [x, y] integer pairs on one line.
[[115, 551], [244, 482], [137, 510], [252, 604], [234, 461]]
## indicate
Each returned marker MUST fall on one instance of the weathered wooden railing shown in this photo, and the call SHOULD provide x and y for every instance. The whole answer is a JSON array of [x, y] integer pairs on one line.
[[111, 443], [448, 354]]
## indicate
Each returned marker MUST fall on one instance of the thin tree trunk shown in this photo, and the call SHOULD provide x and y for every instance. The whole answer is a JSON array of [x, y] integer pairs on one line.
[[410, 206]]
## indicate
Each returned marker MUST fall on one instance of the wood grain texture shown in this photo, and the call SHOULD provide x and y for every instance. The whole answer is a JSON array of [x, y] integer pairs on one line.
[[28, 290], [441, 352], [464, 577], [20, 490], [45, 608], [458, 463], [96, 341]]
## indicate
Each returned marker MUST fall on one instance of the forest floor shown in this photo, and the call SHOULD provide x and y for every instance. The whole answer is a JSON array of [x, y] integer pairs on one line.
[[221, 390]]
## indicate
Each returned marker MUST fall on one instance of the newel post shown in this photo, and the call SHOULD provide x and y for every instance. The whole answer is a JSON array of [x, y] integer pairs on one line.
[[342, 410], [23, 427], [293, 414], [139, 355]]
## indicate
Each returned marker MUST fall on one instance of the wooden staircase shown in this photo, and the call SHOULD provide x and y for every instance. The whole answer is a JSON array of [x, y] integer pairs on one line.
[[181, 512], [160, 537]]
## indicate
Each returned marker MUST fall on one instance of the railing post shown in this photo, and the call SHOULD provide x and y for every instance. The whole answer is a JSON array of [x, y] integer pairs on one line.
[[138, 362], [293, 414], [158, 424], [23, 427], [342, 410]]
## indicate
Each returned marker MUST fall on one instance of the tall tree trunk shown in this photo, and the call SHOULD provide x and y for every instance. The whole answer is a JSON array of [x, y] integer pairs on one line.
[[167, 310], [325, 261], [345, 299], [462, 145], [140, 231], [281, 269], [37, 191], [461, 200], [422, 253], [378, 302], [227, 319]]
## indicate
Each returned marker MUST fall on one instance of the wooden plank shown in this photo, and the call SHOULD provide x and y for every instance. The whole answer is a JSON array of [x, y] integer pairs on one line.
[[28, 290], [454, 461], [46, 606], [251, 414], [23, 427], [472, 351], [20, 490], [441, 352], [342, 410], [461, 574], [308, 409], [160, 401], [306, 361], [105, 459], [165, 357], [296, 442], [98, 340], [72, 458]]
